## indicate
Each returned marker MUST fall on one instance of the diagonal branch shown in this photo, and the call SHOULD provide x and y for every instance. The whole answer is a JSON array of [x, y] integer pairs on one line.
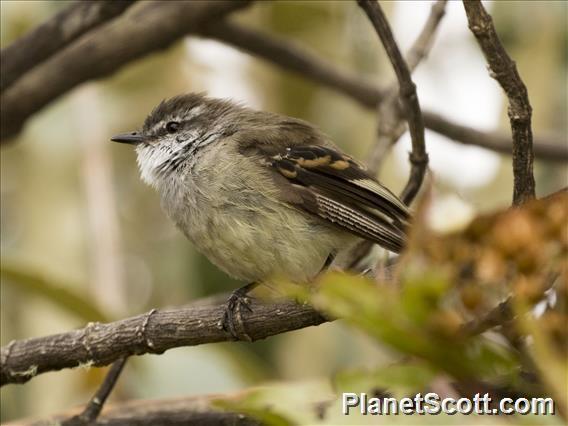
[[296, 58], [409, 98], [423, 44], [53, 35], [390, 119], [507, 310], [504, 70], [154, 332], [391, 125], [501, 314], [96, 403], [145, 28], [550, 148]]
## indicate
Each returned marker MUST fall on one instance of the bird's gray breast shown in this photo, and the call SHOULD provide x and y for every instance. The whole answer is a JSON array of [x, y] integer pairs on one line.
[[230, 208]]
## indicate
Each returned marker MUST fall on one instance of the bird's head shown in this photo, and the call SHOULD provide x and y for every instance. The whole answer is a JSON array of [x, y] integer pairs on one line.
[[176, 130]]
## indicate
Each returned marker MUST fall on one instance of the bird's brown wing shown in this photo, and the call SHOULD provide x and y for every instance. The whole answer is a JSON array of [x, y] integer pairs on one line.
[[332, 186]]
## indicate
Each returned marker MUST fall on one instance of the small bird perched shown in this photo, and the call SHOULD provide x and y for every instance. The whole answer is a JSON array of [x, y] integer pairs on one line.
[[262, 195]]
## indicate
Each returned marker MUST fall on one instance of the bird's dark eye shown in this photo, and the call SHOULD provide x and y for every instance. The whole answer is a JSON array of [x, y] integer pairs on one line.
[[172, 126]]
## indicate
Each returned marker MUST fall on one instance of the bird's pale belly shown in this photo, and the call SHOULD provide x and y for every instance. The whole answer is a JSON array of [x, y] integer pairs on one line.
[[236, 218], [256, 245]]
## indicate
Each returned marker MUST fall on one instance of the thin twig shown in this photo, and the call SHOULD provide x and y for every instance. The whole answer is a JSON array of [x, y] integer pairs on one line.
[[418, 157], [506, 311], [95, 405], [390, 119], [501, 314], [423, 44], [155, 332], [391, 124], [504, 70], [294, 57], [551, 148]]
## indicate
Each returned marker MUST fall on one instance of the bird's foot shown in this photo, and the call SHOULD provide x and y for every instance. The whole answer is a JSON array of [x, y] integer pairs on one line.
[[232, 322]]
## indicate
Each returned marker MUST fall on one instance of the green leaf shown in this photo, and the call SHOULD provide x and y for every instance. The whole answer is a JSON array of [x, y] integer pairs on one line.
[[411, 321], [263, 414]]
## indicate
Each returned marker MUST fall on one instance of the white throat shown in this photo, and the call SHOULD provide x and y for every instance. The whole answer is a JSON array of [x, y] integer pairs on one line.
[[148, 159]]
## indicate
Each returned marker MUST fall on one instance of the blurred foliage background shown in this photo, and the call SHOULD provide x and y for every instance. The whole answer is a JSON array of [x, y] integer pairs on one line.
[[84, 239]]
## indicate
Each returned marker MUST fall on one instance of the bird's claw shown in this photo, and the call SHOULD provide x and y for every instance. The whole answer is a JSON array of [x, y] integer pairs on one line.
[[232, 322]]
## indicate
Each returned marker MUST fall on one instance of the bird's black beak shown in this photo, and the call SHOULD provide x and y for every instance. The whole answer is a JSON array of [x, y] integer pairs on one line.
[[132, 138]]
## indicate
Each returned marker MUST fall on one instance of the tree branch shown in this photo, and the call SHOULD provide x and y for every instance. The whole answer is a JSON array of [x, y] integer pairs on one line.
[[390, 120], [549, 148], [295, 58], [423, 44], [53, 35], [504, 70], [155, 332], [194, 410], [501, 314], [19, 103], [418, 157], [144, 28]]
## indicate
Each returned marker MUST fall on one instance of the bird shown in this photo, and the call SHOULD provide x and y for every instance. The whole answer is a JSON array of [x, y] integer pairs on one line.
[[261, 195]]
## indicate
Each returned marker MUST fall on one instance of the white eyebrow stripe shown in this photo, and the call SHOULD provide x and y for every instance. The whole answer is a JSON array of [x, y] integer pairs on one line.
[[195, 111]]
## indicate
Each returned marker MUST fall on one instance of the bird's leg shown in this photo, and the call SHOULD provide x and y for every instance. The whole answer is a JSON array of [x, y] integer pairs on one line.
[[232, 311]]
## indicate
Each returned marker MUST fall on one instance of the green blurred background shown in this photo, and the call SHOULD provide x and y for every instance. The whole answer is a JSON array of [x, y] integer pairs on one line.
[[76, 218]]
